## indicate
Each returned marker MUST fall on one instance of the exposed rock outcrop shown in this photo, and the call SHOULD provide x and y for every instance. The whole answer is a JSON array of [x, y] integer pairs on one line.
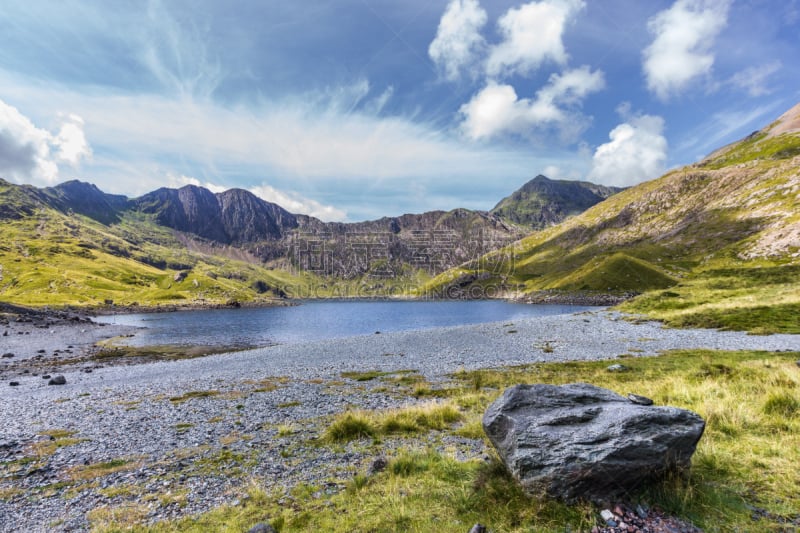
[[582, 442]]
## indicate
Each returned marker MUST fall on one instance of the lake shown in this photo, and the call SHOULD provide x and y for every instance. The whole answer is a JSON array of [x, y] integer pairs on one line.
[[319, 320]]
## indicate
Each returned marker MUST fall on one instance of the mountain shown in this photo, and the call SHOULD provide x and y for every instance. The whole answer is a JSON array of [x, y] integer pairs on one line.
[[543, 202], [232, 217], [709, 243], [73, 243]]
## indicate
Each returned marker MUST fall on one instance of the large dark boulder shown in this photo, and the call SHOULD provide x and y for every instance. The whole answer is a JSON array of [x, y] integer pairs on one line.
[[582, 442]]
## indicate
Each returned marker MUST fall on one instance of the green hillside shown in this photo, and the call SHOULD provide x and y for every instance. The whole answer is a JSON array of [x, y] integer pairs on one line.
[[543, 202], [723, 236], [47, 258]]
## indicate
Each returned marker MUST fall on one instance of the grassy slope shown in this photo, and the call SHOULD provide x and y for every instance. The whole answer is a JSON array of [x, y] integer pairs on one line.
[[52, 259], [725, 233], [748, 457]]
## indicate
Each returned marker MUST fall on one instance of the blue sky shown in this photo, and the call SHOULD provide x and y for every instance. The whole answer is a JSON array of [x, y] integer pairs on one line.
[[355, 109]]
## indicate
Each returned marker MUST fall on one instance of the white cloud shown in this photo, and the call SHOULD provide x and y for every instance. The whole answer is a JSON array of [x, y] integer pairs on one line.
[[296, 203], [458, 40], [29, 154], [637, 152], [321, 144], [71, 142], [497, 110], [681, 50], [754, 79], [532, 34]]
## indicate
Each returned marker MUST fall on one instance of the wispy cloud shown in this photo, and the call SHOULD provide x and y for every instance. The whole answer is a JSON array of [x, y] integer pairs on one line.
[[321, 142], [754, 79], [720, 127]]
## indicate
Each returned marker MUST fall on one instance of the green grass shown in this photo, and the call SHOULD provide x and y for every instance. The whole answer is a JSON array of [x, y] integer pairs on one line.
[[617, 273], [354, 425], [758, 297], [757, 147]]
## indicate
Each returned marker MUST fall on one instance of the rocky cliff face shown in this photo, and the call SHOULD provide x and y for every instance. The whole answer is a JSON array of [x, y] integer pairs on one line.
[[232, 217], [384, 248], [543, 202], [432, 241]]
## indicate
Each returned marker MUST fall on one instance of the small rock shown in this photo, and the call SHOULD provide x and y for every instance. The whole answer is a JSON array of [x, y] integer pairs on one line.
[[261, 527], [58, 380], [606, 515], [641, 512], [639, 400], [478, 528], [378, 465], [377, 333], [41, 351], [617, 368], [8, 355], [14, 383], [46, 376], [611, 523], [618, 511]]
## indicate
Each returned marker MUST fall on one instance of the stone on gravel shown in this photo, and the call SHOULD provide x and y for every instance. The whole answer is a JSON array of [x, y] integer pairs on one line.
[[262, 528], [478, 528], [58, 380], [8, 355], [582, 442], [13, 383]]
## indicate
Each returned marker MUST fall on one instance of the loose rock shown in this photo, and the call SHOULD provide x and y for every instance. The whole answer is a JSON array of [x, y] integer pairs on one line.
[[58, 380], [582, 442]]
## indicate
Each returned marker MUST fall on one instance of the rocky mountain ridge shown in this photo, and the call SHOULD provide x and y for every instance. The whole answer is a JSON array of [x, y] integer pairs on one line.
[[255, 229]]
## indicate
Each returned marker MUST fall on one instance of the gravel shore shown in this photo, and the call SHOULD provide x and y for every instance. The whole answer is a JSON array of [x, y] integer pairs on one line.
[[183, 435]]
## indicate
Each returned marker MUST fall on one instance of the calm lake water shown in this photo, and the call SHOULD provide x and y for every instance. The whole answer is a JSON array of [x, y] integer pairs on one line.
[[319, 320]]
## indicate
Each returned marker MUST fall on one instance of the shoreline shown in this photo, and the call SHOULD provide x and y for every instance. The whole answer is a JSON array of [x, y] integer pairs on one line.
[[577, 298]]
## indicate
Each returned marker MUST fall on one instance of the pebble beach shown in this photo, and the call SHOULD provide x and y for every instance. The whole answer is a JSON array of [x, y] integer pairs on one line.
[[170, 425]]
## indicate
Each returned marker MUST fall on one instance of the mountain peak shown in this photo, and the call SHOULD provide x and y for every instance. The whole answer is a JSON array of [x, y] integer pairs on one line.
[[543, 202]]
